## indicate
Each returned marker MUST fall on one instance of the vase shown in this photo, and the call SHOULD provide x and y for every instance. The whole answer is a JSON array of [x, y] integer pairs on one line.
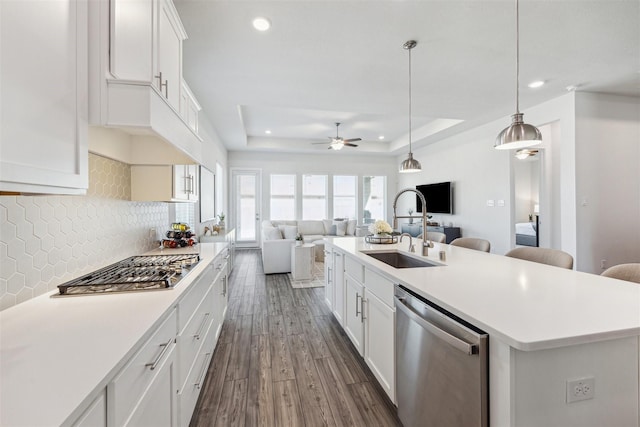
[[298, 242], [221, 224]]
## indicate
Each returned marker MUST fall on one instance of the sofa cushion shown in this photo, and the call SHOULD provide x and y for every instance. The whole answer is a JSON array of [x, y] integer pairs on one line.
[[310, 227], [267, 223], [351, 227], [272, 233], [311, 238], [288, 231], [341, 227], [284, 222], [327, 227]]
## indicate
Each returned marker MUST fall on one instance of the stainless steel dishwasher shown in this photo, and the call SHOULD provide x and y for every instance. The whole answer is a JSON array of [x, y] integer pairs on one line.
[[442, 366]]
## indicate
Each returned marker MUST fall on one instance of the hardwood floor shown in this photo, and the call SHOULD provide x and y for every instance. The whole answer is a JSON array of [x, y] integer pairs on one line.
[[283, 360]]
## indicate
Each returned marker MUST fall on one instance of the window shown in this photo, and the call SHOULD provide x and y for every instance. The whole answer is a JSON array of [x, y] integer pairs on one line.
[[373, 198], [220, 186], [314, 196], [283, 197], [344, 196]]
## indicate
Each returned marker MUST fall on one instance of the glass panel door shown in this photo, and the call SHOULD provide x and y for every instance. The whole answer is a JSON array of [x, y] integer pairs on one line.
[[246, 191]]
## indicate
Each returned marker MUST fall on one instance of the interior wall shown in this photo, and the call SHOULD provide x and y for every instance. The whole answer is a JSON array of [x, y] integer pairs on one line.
[[482, 176], [608, 180], [332, 163]]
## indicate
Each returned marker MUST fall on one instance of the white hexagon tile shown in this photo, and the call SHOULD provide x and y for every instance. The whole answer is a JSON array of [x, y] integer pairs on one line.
[[48, 240]]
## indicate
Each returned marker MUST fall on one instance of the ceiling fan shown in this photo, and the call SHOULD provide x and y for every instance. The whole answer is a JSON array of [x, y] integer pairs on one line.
[[337, 143]]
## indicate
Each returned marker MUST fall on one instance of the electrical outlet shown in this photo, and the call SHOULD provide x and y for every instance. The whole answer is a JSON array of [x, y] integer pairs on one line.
[[603, 264], [152, 233], [581, 389]]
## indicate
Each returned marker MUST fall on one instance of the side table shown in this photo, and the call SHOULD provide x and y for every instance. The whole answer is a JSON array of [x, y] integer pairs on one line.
[[302, 261]]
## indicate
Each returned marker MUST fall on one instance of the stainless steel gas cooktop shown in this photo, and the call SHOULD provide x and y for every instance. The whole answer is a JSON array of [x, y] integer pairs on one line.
[[136, 273]]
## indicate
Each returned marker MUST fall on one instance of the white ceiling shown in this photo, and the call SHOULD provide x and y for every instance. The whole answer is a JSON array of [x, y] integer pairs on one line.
[[342, 61]]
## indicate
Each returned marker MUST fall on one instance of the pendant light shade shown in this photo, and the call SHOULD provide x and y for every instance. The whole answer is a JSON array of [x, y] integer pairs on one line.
[[519, 134], [410, 165]]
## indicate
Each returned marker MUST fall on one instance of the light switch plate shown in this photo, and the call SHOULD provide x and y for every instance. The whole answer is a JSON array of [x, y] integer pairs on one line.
[[490, 203]]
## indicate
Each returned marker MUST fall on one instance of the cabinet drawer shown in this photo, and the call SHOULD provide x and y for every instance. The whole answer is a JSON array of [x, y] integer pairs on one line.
[[191, 339], [188, 396], [124, 392], [198, 289], [379, 285], [354, 269]]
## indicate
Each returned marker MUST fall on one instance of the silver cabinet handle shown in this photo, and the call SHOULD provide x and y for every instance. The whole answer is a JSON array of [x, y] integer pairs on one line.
[[204, 371], [357, 312], [161, 85], [224, 285], [204, 322], [456, 342], [219, 267], [153, 365], [329, 275], [227, 257]]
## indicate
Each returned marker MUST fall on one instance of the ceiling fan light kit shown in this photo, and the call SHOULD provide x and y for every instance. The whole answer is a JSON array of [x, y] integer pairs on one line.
[[410, 165], [338, 143], [519, 134]]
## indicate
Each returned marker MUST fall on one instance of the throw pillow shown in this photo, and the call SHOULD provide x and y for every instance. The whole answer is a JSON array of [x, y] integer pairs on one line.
[[341, 227], [351, 227], [327, 226], [332, 230], [272, 233], [288, 231]]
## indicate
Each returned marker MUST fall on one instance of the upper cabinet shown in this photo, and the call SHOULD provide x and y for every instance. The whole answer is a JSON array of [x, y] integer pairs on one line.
[[43, 97], [136, 71]]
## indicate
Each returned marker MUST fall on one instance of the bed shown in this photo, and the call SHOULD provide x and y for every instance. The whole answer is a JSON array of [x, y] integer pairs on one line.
[[526, 234]]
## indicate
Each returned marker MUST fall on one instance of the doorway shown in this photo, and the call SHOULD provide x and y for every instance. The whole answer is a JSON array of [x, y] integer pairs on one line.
[[527, 198], [246, 185]]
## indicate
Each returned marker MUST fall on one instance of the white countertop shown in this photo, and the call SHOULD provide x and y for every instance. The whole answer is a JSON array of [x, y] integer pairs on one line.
[[526, 305], [56, 353]]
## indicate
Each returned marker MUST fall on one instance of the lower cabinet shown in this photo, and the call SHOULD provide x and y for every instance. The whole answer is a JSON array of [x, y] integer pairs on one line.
[[143, 393], [96, 414], [328, 278], [354, 320], [338, 286]]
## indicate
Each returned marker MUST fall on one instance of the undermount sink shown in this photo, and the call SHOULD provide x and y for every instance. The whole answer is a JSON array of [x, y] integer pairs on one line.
[[398, 259]]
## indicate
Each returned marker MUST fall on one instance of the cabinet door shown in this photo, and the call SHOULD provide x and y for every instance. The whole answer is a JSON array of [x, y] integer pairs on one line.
[[338, 286], [158, 405], [181, 183], [96, 413], [43, 96], [353, 319], [380, 341], [169, 54], [131, 39], [328, 278], [194, 182]]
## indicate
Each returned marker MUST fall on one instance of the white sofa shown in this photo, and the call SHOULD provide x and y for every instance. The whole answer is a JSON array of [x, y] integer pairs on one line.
[[279, 236]]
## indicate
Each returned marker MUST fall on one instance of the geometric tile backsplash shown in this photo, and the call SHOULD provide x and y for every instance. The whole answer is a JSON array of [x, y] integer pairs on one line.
[[48, 240]]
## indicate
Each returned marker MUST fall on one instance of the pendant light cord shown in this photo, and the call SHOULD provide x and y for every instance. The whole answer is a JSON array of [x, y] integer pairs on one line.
[[517, 58], [410, 100]]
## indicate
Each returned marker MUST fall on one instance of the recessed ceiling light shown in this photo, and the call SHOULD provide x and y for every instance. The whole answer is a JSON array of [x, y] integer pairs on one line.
[[268, 132], [261, 24], [536, 84], [381, 137]]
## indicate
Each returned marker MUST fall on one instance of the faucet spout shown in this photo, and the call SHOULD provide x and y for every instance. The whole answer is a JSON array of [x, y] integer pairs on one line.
[[425, 241], [412, 247]]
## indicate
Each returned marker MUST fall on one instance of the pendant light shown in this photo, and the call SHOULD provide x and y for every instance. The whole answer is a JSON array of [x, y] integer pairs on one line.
[[519, 134], [410, 165]]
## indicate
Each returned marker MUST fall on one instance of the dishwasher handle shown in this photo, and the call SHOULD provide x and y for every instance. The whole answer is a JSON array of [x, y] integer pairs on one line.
[[456, 342]]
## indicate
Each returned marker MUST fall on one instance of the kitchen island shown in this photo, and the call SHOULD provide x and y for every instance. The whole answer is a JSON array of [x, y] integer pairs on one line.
[[58, 355], [547, 326]]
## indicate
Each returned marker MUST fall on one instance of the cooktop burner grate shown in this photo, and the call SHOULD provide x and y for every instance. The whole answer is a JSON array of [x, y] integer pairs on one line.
[[136, 273]]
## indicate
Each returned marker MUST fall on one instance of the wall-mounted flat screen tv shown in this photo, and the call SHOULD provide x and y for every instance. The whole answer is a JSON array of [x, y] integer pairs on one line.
[[439, 197]]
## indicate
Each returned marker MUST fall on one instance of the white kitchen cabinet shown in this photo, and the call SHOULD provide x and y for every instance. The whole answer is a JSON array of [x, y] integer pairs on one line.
[[338, 286], [189, 107], [169, 183], [96, 414], [135, 79], [379, 341], [353, 317], [328, 277], [43, 97], [144, 393]]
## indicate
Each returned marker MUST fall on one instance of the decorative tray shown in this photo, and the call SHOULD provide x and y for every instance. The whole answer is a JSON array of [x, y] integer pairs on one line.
[[370, 238]]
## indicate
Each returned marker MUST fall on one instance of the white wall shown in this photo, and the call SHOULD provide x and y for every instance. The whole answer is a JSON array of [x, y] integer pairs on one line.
[[481, 173], [331, 163], [608, 180]]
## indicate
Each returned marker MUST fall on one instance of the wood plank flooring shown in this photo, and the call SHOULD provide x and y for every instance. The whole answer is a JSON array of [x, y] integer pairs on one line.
[[283, 360]]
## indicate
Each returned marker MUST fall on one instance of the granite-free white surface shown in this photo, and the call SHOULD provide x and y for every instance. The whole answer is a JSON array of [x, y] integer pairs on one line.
[[58, 353], [526, 305]]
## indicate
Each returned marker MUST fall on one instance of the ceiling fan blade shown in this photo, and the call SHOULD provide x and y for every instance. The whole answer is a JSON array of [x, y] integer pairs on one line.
[[350, 145], [353, 140], [316, 143]]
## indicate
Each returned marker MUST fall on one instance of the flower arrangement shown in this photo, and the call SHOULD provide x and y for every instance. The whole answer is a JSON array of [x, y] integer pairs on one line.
[[380, 227], [221, 216], [299, 237]]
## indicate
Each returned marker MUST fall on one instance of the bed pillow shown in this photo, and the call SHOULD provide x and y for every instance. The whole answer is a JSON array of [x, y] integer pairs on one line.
[[288, 231]]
